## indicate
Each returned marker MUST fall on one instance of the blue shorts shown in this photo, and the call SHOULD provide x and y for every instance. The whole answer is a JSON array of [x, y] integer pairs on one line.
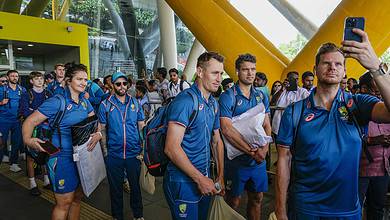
[[63, 174], [185, 201], [303, 216], [252, 179]]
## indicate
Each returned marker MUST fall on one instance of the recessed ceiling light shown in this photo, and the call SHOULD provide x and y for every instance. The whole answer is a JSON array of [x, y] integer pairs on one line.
[[19, 48], [30, 45], [2, 53]]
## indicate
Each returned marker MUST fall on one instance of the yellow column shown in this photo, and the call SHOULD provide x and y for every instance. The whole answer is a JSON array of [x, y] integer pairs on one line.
[[219, 31]]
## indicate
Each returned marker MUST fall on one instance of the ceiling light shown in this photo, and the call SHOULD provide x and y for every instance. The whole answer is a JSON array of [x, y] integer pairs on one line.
[[30, 45], [19, 48]]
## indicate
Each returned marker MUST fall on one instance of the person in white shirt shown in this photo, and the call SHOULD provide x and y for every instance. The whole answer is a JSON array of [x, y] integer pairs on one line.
[[162, 84], [176, 85], [291, 93]]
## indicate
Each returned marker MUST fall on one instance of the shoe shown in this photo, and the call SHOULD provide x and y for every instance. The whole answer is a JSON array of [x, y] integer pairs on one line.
[[15, 168], [35, 191], [5, 159], [48, 186], [126, 187]]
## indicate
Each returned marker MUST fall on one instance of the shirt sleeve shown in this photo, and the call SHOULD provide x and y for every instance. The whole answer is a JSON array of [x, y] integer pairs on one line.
[[365, 104], [50, 107], [97, 95], [89, 106], [226, 105], [140, 112], [1, 93], [181, 109], [286, 130], [266, 102], [102, 113]]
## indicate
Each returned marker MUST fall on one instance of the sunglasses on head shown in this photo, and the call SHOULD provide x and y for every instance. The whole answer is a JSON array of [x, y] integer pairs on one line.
[[121, 83]]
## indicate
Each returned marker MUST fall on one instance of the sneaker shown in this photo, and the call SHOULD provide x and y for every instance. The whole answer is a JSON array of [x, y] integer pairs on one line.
[[126, 187], [48, 186], [35, 191], [15, 168], [5, 159]]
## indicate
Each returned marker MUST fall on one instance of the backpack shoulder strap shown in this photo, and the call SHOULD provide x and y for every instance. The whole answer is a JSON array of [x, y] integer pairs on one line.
[[234, 97], [296, 116], [362, 135], [31, 96], [195, 111], [59, 116]]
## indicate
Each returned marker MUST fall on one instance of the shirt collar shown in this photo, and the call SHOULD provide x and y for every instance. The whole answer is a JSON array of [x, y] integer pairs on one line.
[[199, 93], [311, 103], [239, 92]]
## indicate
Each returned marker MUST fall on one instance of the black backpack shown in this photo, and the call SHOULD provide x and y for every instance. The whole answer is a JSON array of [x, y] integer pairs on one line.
[[154, 134]]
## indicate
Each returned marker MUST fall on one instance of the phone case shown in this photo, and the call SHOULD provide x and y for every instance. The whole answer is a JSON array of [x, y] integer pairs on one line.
[[350, 23]]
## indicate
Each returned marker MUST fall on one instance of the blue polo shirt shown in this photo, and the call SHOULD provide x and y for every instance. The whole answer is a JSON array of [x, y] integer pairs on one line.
[[326, 155], [74, 113], [11, 111], [55, 88], [123, 135], [197, 139], [95, 94], [232, 103]]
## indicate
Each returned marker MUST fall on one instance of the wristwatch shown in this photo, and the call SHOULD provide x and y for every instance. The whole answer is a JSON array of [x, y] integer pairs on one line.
[[383, 70]]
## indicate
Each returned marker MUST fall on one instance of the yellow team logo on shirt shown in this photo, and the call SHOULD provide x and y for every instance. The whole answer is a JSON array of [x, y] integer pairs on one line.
[[61, 182], [132, 106], [84, 105], [258, 99], [183, 208], [343, 113]]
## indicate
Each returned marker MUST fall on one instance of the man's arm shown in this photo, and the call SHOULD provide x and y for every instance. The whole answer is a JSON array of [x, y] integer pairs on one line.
[[217, 148], [261, 153], [365, 55], [282, 181], [234, 136], [176, 154]]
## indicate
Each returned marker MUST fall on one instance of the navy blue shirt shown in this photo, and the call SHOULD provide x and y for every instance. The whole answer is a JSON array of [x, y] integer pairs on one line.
[[196, 142], [34, 100], [11, 111], [326, 154], [74, 113], [123, 135], [232, 103]]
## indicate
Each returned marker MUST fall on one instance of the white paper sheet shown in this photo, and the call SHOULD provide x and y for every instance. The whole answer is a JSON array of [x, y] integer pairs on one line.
[[250, 126], [90, 165]]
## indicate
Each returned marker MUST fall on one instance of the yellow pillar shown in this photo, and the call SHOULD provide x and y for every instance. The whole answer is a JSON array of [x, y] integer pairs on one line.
[[377, 25], [219, 31]]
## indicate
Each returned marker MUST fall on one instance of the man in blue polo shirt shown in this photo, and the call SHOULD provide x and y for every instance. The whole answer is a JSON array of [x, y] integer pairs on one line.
[[247, 171], [187, 181], [121, 116], [10, 112], [58, 85], [321, 163]]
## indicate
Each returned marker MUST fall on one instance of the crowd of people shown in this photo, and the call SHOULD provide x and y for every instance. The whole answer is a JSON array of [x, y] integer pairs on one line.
[[332, 138]]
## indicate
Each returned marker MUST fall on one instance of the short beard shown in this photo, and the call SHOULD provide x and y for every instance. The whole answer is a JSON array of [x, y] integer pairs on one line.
[[119, 93], [13, 82]]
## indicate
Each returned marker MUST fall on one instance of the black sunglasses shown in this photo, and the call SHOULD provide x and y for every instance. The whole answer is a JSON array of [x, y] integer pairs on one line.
[[121, 83], [3, 81]]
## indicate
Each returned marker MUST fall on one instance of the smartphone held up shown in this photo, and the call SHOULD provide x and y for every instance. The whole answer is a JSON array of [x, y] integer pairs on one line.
[[351, 23]]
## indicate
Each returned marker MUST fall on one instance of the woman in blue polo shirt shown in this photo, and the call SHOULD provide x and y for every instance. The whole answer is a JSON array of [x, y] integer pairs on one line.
[[62, 169]]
